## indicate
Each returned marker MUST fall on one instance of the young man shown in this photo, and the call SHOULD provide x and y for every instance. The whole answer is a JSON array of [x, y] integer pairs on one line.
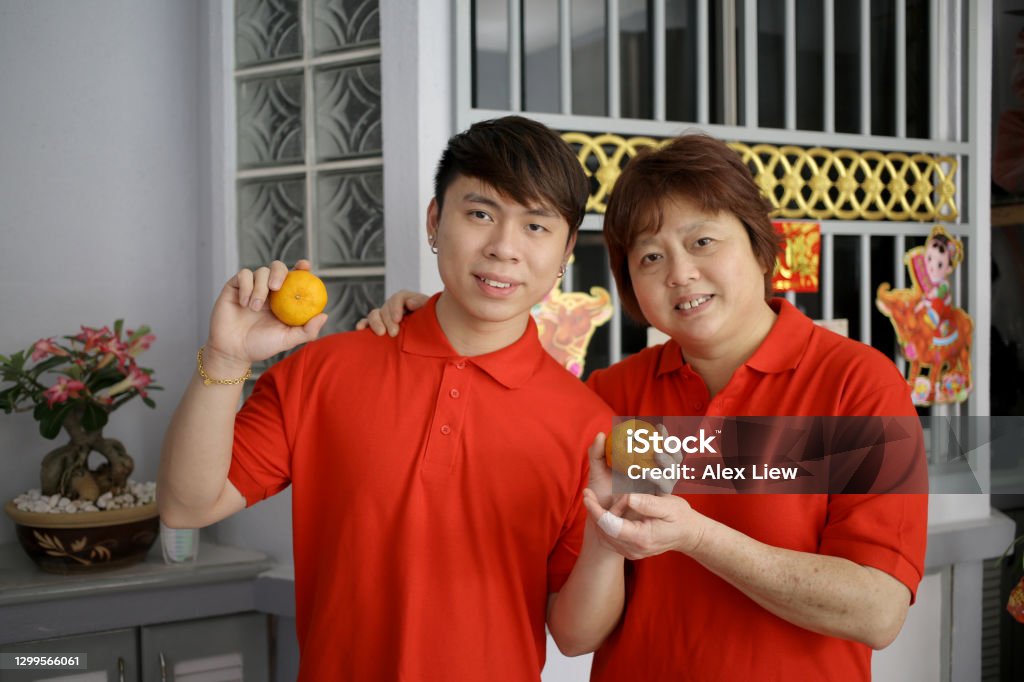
[[437, 476]]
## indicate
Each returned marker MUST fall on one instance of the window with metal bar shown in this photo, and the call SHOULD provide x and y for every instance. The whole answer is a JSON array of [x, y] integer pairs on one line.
[[857, 78]]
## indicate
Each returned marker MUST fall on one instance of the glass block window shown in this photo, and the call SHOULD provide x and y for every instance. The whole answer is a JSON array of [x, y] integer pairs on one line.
[[310, 176], [266, 31]]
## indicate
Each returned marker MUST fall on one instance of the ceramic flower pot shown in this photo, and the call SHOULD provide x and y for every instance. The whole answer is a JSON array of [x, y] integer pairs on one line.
[[90, 541]]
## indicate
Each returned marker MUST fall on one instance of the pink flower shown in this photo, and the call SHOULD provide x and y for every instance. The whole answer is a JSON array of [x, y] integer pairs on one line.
[[139, 380], [93, 337], [64, 388], [114, 348], [46, 347], [135, 379], [140, 344]]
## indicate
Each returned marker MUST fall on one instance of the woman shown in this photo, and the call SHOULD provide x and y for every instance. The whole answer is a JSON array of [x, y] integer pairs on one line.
[[731, 586]]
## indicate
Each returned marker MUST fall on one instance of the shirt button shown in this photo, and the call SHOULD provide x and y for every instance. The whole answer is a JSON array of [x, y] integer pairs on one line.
[[699, 405], [445, 429], [461, 364], [454, 393]]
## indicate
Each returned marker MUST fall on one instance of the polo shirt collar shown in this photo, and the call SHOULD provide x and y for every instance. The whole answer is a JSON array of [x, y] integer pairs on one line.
[[511, 366], [671, 358], [786, 342], [781, 350]]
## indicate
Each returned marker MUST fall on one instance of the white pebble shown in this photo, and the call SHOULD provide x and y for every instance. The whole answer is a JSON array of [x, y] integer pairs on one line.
[[135, 495]]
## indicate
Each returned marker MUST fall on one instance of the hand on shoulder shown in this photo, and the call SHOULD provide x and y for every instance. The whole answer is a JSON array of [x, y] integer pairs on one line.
[[388, 318]]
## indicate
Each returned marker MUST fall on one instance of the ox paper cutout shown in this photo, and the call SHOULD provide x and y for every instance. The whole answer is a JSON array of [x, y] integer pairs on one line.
[[934, 335], [566, 321]]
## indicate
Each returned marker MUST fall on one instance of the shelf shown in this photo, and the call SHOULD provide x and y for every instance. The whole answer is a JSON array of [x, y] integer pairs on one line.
[[22, 582], [36, 605]]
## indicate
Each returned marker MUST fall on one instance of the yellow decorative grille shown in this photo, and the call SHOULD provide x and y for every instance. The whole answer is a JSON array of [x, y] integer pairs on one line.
[[817, 183]]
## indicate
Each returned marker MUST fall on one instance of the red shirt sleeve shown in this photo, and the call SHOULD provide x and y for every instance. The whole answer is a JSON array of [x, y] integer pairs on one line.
[[567, 549], [265, 430], [563, 557], [885, 531]]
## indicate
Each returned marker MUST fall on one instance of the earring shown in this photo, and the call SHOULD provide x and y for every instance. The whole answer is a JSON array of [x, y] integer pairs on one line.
[[433, 247], [561, 270]]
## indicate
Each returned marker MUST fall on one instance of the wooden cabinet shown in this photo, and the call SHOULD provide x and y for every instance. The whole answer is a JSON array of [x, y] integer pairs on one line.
[[224, 649]]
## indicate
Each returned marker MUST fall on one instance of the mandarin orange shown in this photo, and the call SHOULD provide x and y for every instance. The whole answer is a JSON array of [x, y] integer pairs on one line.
[[618, 456], [301, 297]]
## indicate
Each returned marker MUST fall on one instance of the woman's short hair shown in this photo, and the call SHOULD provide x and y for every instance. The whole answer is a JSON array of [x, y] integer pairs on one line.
[[697, 168]]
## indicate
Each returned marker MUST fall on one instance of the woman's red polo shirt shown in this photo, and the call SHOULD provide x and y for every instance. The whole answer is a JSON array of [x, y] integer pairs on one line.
[[436, 499], [681, 621]]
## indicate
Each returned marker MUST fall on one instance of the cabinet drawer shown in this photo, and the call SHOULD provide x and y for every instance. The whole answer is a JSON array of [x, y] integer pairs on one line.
[[228, 649]]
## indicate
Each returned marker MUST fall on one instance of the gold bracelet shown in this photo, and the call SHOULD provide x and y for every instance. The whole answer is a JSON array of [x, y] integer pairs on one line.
[[223, 382]]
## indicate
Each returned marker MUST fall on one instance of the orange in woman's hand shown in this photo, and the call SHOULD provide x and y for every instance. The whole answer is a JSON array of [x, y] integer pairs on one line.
[[616, 452], [301, 297]]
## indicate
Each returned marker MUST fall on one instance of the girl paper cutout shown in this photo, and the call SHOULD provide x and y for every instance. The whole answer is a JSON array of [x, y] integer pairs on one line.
[[934, 335]]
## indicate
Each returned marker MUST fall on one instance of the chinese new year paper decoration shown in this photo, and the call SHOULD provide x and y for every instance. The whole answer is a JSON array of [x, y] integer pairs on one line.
[[934, 335], [799, 263], [566, 321]]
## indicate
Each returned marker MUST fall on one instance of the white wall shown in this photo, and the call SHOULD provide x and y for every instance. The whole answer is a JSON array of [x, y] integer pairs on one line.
[[916, 653], [98, 202]]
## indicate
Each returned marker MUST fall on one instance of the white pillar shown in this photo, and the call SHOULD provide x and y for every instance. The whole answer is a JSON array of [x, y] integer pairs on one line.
[[417, 76]]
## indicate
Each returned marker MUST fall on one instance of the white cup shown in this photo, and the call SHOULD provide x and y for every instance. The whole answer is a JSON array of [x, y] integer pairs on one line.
[[180, 545]]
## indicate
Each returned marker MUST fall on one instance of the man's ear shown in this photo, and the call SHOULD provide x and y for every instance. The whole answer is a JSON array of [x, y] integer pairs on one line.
[[433, 218], [570, 246]]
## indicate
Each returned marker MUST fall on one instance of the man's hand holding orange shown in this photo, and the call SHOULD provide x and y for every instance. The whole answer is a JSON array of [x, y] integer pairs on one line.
[[244, 330]]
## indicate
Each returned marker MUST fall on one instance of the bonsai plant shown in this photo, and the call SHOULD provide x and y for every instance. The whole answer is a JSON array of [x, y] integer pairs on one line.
[[73, 384]]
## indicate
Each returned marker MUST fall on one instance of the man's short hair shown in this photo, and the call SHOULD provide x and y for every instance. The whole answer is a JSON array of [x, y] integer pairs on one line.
[[695, 167], [523, 160]]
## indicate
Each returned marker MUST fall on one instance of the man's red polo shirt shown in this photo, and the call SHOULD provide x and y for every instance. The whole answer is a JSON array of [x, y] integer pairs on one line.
[[681, 621], [436, 499]]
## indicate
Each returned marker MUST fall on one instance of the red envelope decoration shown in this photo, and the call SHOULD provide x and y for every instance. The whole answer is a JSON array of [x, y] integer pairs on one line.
[[798, 265]]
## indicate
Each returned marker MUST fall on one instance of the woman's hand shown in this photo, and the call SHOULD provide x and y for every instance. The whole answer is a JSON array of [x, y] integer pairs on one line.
[[651, 525], [387, 318]]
